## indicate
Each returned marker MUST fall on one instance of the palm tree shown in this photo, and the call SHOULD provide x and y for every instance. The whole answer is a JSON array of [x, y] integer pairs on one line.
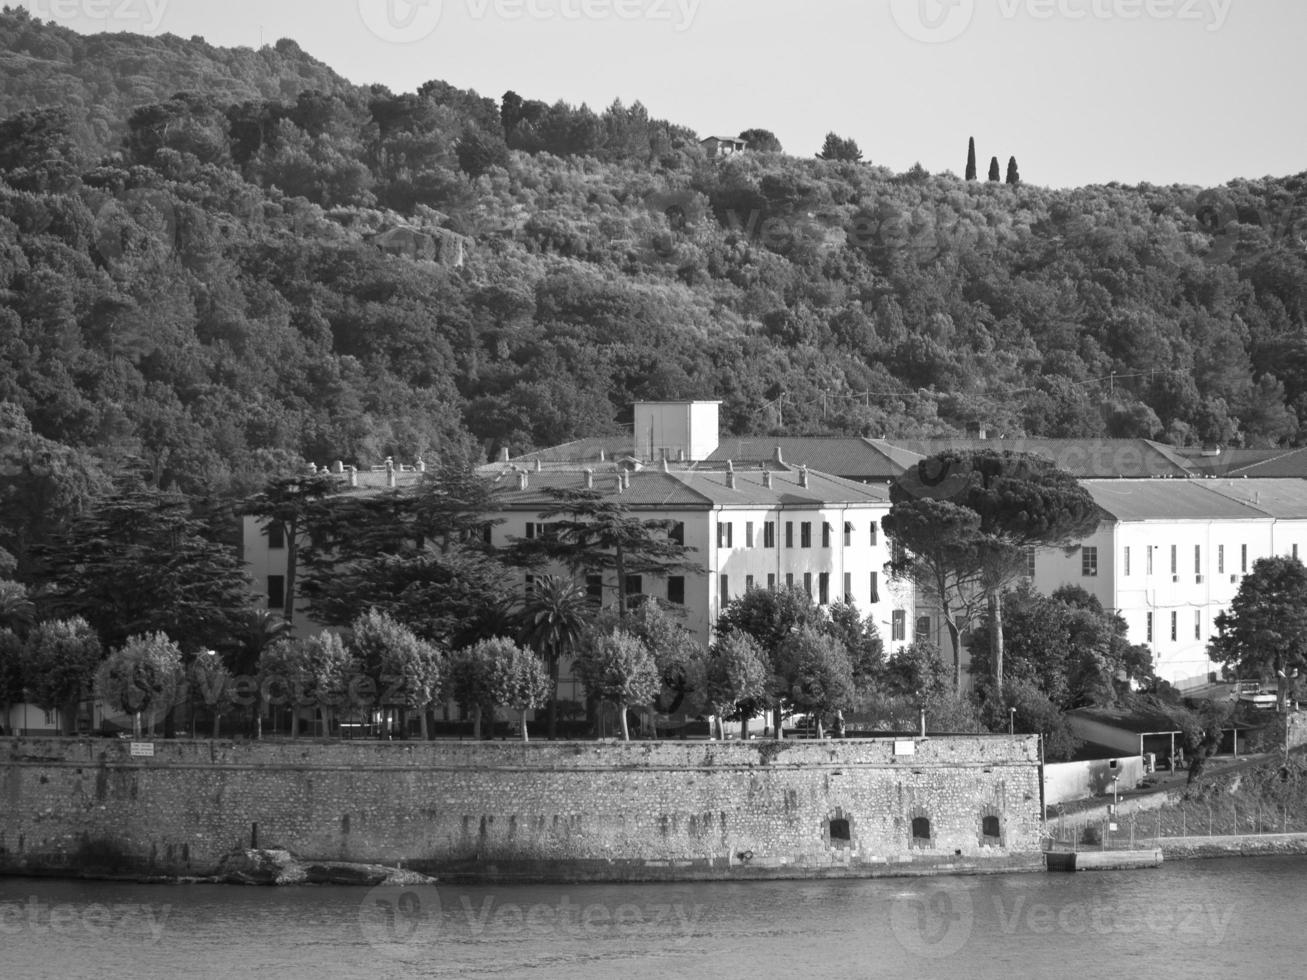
[[259, 629], [553, 617]]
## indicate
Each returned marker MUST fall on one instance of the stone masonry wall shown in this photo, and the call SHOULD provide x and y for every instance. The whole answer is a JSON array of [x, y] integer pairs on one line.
[[561, 810]]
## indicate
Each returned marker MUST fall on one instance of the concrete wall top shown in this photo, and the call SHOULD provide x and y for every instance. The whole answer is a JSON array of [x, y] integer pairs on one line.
[[907, 753]]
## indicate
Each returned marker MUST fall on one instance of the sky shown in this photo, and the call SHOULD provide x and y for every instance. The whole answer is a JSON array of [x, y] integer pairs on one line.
[[1079, 91]]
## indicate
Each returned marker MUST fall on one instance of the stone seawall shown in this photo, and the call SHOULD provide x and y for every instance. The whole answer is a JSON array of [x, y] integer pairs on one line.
[[543, 810]]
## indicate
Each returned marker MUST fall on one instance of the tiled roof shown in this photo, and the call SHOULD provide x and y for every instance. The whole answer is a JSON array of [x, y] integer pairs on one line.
[[1285, 463], [1224, 462], [1082, 458], [851, 457], [1139, 721], [1284, 499], [580, 450], [1160, 500]]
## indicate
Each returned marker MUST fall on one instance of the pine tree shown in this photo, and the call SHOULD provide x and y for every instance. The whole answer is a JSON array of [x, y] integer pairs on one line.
[[971, 158], [994, 172], [1013, 175]]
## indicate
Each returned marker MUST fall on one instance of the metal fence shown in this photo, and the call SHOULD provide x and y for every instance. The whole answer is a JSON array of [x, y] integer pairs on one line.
[[1191, 819]]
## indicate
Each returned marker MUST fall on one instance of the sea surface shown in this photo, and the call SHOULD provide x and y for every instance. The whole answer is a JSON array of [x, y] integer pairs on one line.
[[1187, 920]]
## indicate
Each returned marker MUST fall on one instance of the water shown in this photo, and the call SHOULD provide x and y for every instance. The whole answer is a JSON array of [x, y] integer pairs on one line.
[[1184, 920]]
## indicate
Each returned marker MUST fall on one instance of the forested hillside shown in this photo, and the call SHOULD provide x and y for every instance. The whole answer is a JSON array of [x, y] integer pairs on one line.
[[200, 270]]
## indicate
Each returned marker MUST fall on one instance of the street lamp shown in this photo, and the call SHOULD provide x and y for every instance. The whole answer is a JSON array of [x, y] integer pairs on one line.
[[1011, 721]]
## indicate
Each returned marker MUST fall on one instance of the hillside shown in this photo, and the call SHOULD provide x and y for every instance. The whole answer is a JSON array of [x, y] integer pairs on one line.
[[268, 266]]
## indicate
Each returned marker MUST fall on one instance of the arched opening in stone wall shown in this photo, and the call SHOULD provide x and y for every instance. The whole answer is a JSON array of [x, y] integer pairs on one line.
[[920, 831]]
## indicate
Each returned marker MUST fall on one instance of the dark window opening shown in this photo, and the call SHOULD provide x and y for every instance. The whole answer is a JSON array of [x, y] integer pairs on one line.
[[920, 830], [839, 830], [676, 589], [276, 591], [677, 533], [594, 589], [276, 536], [989, 828]]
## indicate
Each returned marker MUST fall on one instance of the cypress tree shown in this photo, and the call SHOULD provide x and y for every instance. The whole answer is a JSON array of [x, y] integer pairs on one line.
[[1013, 175], [971, 158], [993, 169]]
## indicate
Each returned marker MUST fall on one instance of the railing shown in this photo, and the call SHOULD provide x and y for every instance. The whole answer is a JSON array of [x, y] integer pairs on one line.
[[1154, 827]]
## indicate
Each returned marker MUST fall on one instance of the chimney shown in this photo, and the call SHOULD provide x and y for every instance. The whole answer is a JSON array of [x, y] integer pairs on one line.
[[539, 465], [312, 469], [353, 476], [779, 459], [803, 476], [390, 471], [730, 475], [680, 455], [620, 484], [666, 467], [626, 479], [503, 454], [766, 479], [603, 456], [521, 480], [338, 467], [589, 479], [422, 465]]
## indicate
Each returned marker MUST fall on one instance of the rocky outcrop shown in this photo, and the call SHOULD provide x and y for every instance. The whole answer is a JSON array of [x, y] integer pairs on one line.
[[271, 866]]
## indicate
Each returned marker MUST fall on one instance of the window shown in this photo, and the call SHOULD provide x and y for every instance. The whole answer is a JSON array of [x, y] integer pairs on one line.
[[535, 529], [848, 586], [848, 533], [276, 536], [724, 589], [805, 534], [276, 591], [872, 542], [1295, 552], [676, 589], [594, 588], [1149, 552], [823, 589], [920, 831], [1198, 624], [1148, 628], [875, 590], [748, 534], [1243, 558], [634, 589], [839, 830], [725, 534], [826, 529], [1030, 563], [789, 534], [1174, 557], [529, 583], [769, 534], [771, 581], [1175, 625], [1220, 559], [789, 580], [748, 583], [677, 533], [1198, 559], [989, 830], [1125, 562], [922, 632], [807, 583], [1089, 561], [898, 628]]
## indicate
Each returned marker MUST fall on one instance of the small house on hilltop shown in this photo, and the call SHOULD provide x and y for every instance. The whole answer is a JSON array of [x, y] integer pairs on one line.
[[723, 146]]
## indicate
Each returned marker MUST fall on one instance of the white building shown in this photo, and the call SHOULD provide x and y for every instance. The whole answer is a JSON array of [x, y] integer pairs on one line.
[[1169, 555]]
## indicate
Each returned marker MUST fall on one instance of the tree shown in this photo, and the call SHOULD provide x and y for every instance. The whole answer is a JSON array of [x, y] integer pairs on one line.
[[552, 621], [256, 631], [737, 675], [675, 651], [518, 680], [58, 662], [918, 672], [11, 675], [331, 669], [286, 678], [838, 148], [1013, 175], [618, 667], [139, 563], [601, 534], [971, 158], [814, 669], [995, 175], [1264, 632], [284, 505], [472, 681], [762, 141], [209, 685], [406, 672], [143, 676]]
